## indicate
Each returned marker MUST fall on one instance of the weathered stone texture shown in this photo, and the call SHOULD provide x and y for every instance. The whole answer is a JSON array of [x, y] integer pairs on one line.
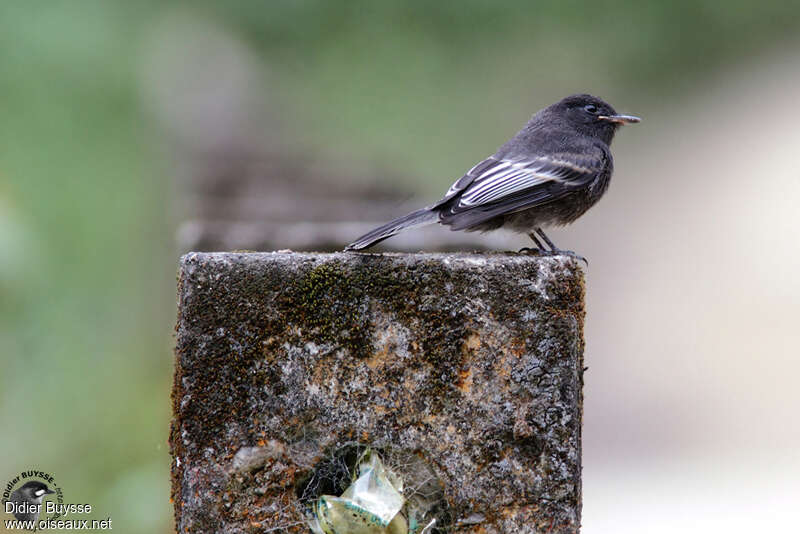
[[473, 362]]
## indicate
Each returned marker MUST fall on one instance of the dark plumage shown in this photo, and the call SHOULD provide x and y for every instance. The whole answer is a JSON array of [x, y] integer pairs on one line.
[[27, 500], [550, 173]]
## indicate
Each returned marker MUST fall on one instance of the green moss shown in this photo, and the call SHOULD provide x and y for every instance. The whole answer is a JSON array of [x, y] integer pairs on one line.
[[331, 306]]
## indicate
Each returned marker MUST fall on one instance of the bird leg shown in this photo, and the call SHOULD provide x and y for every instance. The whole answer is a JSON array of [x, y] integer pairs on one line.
[[539, 248], [553, 248]]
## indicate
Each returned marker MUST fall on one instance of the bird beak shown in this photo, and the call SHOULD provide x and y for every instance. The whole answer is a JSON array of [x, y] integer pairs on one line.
[[620, 119], [49, 491]]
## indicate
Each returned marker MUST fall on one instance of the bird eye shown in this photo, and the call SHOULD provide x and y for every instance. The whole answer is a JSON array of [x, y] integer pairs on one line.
[[591, 108]]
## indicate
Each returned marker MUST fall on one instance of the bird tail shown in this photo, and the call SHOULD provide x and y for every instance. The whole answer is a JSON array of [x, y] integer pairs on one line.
[[413, 219]]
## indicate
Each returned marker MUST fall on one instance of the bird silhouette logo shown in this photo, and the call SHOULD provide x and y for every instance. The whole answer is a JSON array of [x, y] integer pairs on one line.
[[24, 498]]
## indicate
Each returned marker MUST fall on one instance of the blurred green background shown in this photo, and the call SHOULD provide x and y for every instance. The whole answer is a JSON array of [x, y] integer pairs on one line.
[[88, 216]]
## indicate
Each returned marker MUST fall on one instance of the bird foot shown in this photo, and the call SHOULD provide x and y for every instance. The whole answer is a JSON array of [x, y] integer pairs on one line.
[[532, 250]]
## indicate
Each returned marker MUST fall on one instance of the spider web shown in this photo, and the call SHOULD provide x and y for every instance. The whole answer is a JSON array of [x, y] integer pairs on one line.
[[422, 489]]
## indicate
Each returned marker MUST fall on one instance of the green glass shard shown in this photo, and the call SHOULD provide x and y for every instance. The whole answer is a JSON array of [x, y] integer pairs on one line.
[[370, 505]]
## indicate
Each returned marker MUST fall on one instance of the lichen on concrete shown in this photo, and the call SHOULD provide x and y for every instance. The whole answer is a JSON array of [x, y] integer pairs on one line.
[[471, 361]]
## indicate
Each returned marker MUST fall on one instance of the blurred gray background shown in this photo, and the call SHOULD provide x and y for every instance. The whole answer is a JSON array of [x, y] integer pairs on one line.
[[131, 132]]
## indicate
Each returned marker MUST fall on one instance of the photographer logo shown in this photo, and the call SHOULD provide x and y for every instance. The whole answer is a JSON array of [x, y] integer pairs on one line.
[[32, 500]]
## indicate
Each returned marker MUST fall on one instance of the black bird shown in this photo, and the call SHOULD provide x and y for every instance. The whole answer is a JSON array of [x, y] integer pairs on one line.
[[27, 500], [551, 172]]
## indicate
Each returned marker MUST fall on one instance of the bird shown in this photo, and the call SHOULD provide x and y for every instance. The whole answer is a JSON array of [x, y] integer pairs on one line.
[[553, 170], [27, 500]]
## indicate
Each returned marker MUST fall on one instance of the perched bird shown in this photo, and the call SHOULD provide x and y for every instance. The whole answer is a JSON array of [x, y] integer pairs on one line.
[[27, 500], [551, 172]]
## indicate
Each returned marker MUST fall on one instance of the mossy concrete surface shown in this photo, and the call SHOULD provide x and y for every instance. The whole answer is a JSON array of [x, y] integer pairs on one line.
[[472, 362]]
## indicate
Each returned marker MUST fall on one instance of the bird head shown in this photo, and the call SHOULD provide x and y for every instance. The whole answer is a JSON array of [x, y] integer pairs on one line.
[[590, 115], [35, 491]]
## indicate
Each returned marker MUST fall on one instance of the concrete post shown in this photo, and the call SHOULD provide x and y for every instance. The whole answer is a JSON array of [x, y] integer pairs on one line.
[[462, 371]]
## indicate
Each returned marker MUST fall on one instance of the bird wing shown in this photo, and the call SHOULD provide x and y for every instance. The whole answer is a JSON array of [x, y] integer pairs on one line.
[[518, 183], [471, 175]]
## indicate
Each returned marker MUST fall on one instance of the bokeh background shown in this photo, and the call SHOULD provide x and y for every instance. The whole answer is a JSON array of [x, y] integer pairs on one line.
[[121, 122]]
